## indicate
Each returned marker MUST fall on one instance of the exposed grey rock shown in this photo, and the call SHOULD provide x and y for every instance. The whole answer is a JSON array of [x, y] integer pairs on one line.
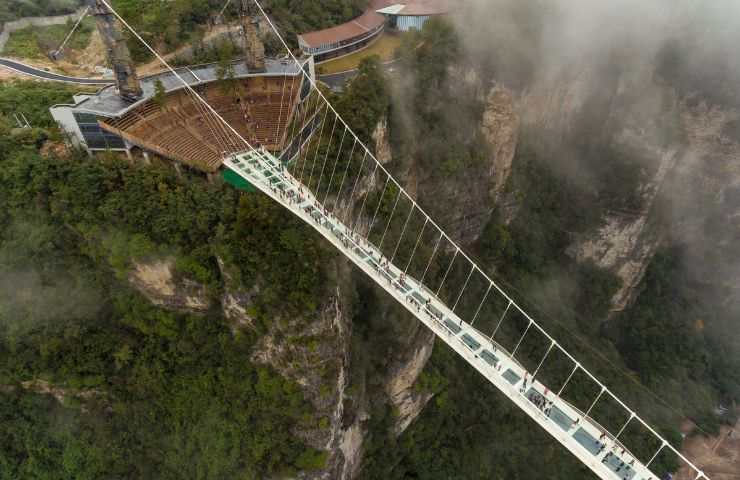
[[156, 280]]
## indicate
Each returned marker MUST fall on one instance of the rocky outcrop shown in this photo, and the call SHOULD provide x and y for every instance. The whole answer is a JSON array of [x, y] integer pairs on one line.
[[627, 240], [157, 281], [463, 199], [704, 196], [351, 448], [314, 351], [46, 388], [234, 310], [65, 396], [401, 385], [500, 128], [382, 143], [636, 114], [624, 245]]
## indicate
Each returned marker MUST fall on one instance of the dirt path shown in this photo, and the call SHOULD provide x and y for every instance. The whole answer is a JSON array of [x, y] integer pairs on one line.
[[719, 456], [83, 63]]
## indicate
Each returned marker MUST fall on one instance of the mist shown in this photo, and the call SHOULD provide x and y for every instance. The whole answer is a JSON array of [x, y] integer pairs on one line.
[[531, 40], [657, 82], [34, 294]]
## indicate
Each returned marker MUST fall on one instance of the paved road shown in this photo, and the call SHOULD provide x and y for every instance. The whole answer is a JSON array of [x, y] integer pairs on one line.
[[337, 81], [54, 77]]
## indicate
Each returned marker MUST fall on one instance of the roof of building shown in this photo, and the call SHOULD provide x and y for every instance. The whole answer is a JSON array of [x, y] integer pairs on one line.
[[366, 22], [419, 8], [108, 103], [392, 9]]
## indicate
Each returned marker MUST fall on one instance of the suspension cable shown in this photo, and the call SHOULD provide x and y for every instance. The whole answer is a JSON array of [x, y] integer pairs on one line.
[[413, 252], [348, 216], [333, 170], [326, 156], [318, 147]]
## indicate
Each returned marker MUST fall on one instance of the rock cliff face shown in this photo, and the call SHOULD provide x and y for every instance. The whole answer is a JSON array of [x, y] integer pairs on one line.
[[315, 351], [689, 194], [689, 153], [500, 127], [638, 115], [400, 385], [315, 354], [62, 395], [318, 354], [157, 281], [704, 196], [382, 142], [463, 201]]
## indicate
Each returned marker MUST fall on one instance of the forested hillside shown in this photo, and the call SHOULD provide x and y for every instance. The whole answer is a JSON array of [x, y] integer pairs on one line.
[[143, 388], [100, 378], [14, 9], [169, 24]]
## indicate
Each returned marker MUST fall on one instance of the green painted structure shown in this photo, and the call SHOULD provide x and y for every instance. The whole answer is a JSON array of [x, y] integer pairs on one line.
[[237, 181]]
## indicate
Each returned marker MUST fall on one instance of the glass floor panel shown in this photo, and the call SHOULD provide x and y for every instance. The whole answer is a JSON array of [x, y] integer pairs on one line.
[[419, 297], [434, 311], [561, 419], [452, 326], [589, 443], [533, 395], [470, 342], [489, 358], [511, 376], [619, 467]]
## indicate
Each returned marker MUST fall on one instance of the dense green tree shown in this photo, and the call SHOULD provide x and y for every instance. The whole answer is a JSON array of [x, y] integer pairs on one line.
[[366, 100], [148, 393], [14, 9]]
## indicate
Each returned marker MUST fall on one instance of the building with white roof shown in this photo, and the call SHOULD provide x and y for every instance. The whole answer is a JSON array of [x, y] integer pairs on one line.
[[413, 14]]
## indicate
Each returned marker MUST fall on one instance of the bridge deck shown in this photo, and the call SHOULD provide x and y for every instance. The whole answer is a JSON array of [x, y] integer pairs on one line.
[[578, 433]]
